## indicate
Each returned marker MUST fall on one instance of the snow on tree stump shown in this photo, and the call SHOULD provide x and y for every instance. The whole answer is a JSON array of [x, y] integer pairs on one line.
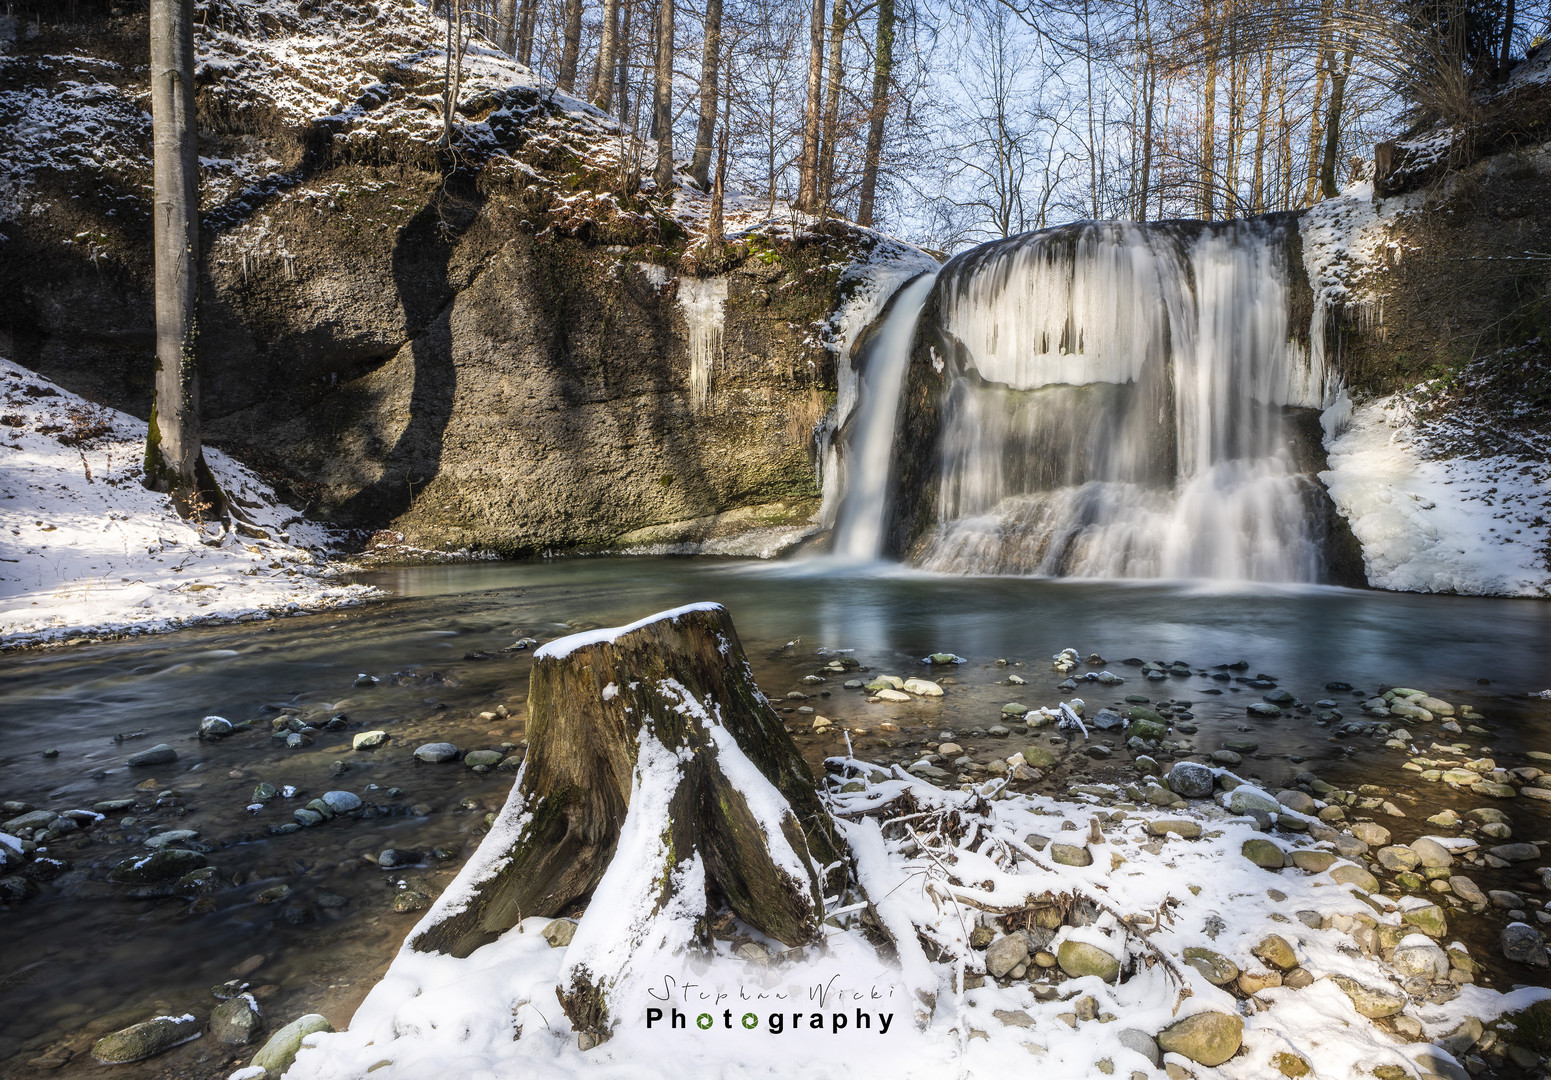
[[660, 780]]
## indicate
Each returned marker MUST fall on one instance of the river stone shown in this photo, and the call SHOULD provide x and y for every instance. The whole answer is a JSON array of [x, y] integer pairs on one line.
[[1276, 951], [1352, 874], [436, 752], [279, 1052], [1207, 1038], [1190, 779], [214, 727], [1142, 1043], [1428, 918], [1463, 1038], [1006, 953], [236, 1022], [145, 1039], [171, 838], [1071, 855], [1142, 712], [1241, 801], [1217, 968], [1371, 833], [1107, 720], [941, 658], [168, 864], [1408, 711], [34, 819], [1226, 757], [1466, 889], [1432, 854], [923, 688], [1523, 944], [896, 696], [1079, 958], [1146, 729], [1188, 830], [488, 758], [1313, 862], [366, 740], [1263, 853], [886, 682], [342, 802], [1418, 955], [1436, 706], [1398, 857], [1373, 1003], [1263, 710], [1515, 852], [160, 754]]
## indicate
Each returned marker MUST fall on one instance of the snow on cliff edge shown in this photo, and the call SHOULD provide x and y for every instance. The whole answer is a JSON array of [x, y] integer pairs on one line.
[[85, 549]]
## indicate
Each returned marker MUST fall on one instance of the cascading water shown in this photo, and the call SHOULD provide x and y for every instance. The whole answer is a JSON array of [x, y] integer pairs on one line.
[[859, 525], [1114, 407]]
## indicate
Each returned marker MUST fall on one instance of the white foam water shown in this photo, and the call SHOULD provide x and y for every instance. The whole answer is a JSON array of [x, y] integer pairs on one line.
[[1116, 407]]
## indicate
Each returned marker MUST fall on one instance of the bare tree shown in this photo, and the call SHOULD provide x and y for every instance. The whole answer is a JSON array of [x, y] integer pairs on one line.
[[662, 98], [710, 69], [808, 169], [174, 458], [570, 51], [882, 72], [527, 17]]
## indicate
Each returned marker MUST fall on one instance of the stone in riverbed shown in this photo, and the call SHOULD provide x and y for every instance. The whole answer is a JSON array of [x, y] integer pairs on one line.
[[1371, 833], [1187, 830], [215, 727], [1071, 855], [895, 696], [1006, 953], [279, 1052], [342, 802], [1276, 951], [236, 1022], [145, 1039], [171, 838], [1466, 889], [1243, 801], [1514, 852], [1313, 862], [1373, 1003], [1217, 968], [1352, 874], [1207, 1038], [1523, 944], [33, 819], [367, 740], [1263, 853], [488, 758], [1432, 854], [1398, 857], [160, 754], [1079, 958], [168, 864], [1038, 757], [436, 752], [1418, 955], [1428, 918], [923, 688], [1142, 1043], [1263, 710], [1190, 779]]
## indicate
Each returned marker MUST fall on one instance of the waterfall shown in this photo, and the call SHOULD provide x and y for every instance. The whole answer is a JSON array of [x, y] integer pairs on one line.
[[1115, 406], [860, 522]]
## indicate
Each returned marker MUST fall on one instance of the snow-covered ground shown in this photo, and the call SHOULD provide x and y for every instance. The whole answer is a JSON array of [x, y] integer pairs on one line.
[[932, 861], [86, 550]]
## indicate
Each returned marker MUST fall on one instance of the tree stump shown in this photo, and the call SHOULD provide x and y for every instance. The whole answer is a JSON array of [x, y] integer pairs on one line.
[[657, 730]]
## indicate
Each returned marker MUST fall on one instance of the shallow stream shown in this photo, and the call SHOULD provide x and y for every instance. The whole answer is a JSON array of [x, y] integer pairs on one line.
[[308, 920]]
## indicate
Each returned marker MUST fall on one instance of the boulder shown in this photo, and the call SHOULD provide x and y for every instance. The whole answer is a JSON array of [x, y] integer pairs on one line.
[[160, 754], [1207, 1038], [1217, 968], [1352, 874], [236, 1022], [1523, 944], [1190, 779], [1373, 1003], [145, 1039], [1079, 958], [1276, 951], [1005, 954], [279, 1052], [1263, 853], [1432, 854], [1071, 855], [436, 752], [1419, 955]]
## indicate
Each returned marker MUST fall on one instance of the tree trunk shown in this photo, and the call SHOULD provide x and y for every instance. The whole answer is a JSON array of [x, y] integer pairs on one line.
[[808, 163], [1208, 171], [174, 461], [1257, 182], [601, 89], [527, 15], [715, 232], [1507, 49], [1327, 168], [623, 78], [882, 73], [1237, 76], [506, 26], [571, 47], [1316, 132], [662, 98], [602, 706], [831, 128], [710, 72]]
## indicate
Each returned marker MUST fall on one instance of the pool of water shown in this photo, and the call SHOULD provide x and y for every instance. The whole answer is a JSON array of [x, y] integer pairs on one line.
[[307, 919]]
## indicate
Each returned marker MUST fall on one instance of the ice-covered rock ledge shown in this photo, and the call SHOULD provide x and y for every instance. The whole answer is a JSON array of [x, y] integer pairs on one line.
[[85, 550]]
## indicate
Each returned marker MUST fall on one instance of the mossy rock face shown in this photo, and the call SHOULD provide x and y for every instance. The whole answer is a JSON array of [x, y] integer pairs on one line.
[[1532, 1027]]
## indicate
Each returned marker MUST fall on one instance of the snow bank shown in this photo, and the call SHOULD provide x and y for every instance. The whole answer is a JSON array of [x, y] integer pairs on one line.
[[1434, 523], [84, 549], [495, 1013]]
